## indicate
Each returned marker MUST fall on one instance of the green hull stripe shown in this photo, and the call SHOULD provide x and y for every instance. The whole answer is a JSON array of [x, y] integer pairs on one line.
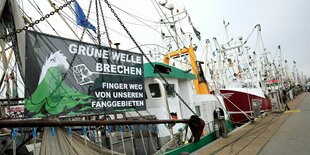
[[192, 147]]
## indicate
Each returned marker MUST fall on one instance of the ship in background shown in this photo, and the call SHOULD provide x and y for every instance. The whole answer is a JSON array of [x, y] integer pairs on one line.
[[236, 75], [250, 80]]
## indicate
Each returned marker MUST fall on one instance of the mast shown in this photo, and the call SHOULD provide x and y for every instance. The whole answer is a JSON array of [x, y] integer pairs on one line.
[[200, 82], [172, 24], [281, 68], [258, 62], [223, 74], [226, 31], [295, 74]]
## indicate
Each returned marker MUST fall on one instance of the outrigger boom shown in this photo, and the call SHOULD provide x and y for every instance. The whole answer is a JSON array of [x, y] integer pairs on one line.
[[63, 123]]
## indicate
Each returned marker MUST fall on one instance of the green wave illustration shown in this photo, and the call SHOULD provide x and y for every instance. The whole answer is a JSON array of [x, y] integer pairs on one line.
[[55, 96]]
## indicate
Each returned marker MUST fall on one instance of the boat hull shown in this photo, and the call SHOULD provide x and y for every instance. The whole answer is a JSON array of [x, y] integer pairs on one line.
[[239, 103]]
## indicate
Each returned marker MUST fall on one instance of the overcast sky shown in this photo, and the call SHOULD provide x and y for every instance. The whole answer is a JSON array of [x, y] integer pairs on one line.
[[284, 23]]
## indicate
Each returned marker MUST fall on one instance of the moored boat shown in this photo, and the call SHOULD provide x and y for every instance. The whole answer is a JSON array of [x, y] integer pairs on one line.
[[239, 79], [244, 104]]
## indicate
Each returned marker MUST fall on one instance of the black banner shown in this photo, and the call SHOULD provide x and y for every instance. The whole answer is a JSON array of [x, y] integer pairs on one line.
[[68, 77]]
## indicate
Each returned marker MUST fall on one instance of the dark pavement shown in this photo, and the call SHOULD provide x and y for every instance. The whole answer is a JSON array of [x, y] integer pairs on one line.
[[293, 136], [285, 133]]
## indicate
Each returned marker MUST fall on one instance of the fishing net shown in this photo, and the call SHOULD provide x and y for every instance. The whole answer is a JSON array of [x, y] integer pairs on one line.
[[60, 142], [174, 143]]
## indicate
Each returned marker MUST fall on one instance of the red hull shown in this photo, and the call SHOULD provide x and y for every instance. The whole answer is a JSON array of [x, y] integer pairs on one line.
[[236, 102]]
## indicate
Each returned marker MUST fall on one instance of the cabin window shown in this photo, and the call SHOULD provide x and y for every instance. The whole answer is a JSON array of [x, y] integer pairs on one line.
[[170, 90], [197, 108], [155, 90], [162, 69]]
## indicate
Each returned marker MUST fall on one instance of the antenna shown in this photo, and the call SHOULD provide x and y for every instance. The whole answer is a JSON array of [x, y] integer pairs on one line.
[[170, 6], [162, 3], [226, 25]]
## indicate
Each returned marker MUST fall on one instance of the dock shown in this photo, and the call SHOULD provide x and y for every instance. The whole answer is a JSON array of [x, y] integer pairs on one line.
[[273, 133]]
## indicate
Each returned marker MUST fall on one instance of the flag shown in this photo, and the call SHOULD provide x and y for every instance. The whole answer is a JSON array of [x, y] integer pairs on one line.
[[162, 35], [190, 20], [81, 18], [110, 43], [197, 33], [182, 31]]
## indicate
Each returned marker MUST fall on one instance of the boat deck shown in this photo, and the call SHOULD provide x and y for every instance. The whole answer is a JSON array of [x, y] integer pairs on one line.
[[274, 133]]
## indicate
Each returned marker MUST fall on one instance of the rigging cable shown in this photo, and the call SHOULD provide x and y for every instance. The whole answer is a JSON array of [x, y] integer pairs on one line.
[[41, 19], [126, 21], [142, 18], [74, 56], [105, 25], [14, 32], [171, 33], [53, 5], [88, 32], [135, 17], [165, 24], [37, 8], [72, 21], [147, 58], [98, 25], [248, 37], [87, 16], [111, 28], [48, 15], [65, 74]]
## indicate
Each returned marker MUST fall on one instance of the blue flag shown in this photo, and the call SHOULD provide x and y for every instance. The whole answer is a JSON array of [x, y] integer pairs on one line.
[[81, 18], [197, 33]]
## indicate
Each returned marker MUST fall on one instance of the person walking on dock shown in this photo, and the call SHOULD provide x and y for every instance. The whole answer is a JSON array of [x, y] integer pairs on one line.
[[284, 99]]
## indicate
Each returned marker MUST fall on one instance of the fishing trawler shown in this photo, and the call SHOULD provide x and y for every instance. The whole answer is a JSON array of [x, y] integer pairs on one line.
[[85, 98], [239, 77]]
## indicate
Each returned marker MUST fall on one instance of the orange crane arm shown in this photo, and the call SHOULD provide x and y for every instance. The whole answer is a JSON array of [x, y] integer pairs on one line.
[[201, 85]]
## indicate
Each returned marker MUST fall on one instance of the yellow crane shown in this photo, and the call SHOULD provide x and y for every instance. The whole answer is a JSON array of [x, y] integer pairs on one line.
[[201, 85]]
